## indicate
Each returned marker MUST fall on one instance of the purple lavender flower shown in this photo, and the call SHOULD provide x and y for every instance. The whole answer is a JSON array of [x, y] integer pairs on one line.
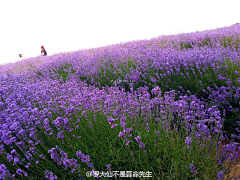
[[4, 172], [192, 168], [121, 134], [9, 157], [220, 175], [123, 124], [19, 171], [27, 166], [84, 158], [142, 145], [108, 167], [14, 152], [113, 126], [90, 165], [90, 125], [188, 140], [50, 175], [60, 135], [16, 160], [137, 138], [111, 120], [122, 121], [147, 127]]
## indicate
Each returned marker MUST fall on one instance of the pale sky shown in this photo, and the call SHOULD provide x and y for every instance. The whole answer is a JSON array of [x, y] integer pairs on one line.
[[71, 25]]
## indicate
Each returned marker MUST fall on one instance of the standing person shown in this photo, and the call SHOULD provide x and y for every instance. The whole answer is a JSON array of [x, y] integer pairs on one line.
[[43, 51], [21, 56]]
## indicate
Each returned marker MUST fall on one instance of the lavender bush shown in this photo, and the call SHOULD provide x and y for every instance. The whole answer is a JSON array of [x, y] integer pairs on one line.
[[161, 106]]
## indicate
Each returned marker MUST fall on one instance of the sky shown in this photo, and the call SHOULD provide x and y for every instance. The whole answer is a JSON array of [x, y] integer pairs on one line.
[[72, 25]]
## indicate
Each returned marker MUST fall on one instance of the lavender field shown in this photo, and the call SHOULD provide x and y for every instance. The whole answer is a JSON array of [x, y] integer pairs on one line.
[[149, 109]]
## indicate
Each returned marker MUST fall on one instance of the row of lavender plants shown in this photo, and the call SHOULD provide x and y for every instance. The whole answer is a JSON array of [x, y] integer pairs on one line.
[[209, 68], [159, 107], [52, 130]]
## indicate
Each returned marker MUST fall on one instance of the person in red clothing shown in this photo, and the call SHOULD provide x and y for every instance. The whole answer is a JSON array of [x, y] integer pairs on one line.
[[43, 51]]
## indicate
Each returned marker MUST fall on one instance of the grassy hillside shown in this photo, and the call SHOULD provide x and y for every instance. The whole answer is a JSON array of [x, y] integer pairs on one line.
[[150, 109]]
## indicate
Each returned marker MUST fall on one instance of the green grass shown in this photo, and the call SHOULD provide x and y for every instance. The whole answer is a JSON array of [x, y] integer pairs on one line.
[[166, 155], [167, 158]]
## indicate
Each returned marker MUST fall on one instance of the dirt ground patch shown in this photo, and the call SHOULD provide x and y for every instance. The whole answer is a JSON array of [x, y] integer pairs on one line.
[[235, 167]]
